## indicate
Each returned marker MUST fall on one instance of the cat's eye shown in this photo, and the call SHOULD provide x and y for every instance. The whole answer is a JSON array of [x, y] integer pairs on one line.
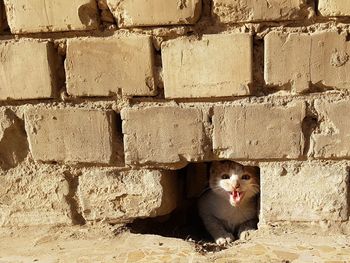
[[245, 177], [225, 176]]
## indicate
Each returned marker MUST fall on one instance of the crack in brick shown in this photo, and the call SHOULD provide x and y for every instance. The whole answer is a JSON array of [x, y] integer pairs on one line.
[[71, 198], [309, 124]]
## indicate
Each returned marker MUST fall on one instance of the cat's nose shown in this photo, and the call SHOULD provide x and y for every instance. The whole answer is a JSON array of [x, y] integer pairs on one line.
[[236, 185]]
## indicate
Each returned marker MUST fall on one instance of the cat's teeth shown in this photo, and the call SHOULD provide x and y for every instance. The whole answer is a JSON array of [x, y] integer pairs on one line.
[[237, 196]]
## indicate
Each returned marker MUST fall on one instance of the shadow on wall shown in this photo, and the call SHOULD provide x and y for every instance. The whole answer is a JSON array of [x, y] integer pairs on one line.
[[87, 14], [13, 141]]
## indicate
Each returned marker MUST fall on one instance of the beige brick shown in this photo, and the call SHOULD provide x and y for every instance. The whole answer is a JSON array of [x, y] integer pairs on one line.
[[319, 59], [287, 60], [228, 11], [330, 60], [334, 7], [332, 137], [163, 135], [38, 198], [16, 80], [54, 15], [121, 196], [72, 135], [309, 191], [101, 67], [13, 140], [131, 13], [201, 68], [260, 131]]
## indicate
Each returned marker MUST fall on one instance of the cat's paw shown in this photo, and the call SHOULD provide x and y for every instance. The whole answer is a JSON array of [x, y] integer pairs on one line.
[[221, 241], [245, 234], [246, 230]]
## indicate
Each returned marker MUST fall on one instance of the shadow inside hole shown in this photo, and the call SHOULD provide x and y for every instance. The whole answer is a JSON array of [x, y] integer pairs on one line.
[[88, 14], [184, 222]]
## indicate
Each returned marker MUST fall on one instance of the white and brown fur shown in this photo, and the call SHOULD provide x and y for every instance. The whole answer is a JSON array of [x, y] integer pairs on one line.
[[221, 212]]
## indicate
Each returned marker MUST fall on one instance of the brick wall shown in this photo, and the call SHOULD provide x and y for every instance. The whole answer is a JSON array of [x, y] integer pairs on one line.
[[102, 102]]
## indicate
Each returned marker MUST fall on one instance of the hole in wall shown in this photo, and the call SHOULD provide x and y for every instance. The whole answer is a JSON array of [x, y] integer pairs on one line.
[[316, 6], [309, 124], [118, 145], [87, 14], [14, 146], [185, 222], [258, 66], [4, 28]]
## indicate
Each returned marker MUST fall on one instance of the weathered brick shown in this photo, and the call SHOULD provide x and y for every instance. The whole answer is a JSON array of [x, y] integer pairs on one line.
[[260, 131], [131, 13], [13, 140], [308, 191], [201, 68], [228, 11], [35, 199], [319, 59], [290, 52], [163, 135], [54, 15], [101, 67], [330, 60], [16, 81], [334, 7], [332, 137], [73, 135], [121, 196]]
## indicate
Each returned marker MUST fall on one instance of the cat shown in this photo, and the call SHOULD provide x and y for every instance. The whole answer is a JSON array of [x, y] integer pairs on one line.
[[231, 203]]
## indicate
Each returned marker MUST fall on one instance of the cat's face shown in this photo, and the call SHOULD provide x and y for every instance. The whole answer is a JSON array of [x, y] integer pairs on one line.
[[233, 181]]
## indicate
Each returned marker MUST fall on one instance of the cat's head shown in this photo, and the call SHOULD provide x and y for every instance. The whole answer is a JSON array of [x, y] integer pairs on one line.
[[234, 181]]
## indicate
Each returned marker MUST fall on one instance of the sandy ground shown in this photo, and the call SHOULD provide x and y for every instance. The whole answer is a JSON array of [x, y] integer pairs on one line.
[[103, 243]]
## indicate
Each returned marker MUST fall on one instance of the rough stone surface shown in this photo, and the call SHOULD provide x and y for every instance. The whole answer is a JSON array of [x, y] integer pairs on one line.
[[55, 15], [121, 196], [330, 60], [187, 82], [13, 140], [163, 135], [16, 81], [249, 131], [309, 191], [132, 13], [98, 243], [263, 10], [292, 53], [334, 7], [101, 67], [72, 135], [36, 198], [320, 59], [332, 137], [201, 68]]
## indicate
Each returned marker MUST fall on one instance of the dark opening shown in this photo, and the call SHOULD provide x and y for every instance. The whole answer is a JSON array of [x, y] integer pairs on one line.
[[184, 222]]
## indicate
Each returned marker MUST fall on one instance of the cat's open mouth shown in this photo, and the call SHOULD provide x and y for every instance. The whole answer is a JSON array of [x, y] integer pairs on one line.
[[236, 196]]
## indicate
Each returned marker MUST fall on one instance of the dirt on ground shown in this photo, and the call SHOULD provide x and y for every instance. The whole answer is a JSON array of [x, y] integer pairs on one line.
[[105, 243]]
